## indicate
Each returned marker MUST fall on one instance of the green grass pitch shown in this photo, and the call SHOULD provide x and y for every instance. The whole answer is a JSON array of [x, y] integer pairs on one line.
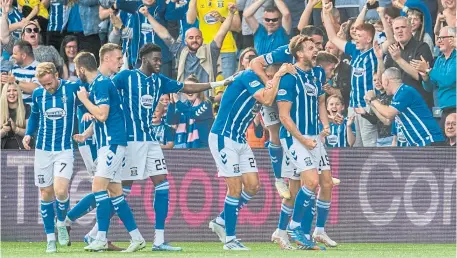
[[205, 249]]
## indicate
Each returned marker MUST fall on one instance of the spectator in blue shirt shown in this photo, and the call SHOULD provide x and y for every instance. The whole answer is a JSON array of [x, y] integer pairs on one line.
[[442, 76], [409, 109], [276, 27]]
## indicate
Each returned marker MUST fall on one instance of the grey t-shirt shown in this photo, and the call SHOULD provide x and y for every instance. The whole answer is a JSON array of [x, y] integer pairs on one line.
[[193, 66], [48, 54]]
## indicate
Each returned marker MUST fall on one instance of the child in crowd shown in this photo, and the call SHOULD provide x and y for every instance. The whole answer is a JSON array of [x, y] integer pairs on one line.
[[342, 135], [161, 131]]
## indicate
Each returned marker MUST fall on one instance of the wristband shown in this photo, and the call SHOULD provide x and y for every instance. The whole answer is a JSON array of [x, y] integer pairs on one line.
[[427, 72], [217, 84]]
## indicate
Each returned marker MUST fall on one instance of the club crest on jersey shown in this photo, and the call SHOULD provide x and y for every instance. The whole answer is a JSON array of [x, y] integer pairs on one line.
[[55, 113], [401, 137], [40, 179], [146, 101], [359, 72], [282, 92], [269, 58], [254, 83], [310, 90], [64, 99]]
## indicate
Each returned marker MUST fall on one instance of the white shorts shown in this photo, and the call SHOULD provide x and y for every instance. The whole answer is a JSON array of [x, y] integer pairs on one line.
[[143, 160], [232, 158], [298, 158], [89, 155], [270, 115], [49, 164], [111, 160]]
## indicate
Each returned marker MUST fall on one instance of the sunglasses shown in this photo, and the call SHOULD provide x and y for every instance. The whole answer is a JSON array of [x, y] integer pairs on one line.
[[29, 30], [271, 20], [444, 37]]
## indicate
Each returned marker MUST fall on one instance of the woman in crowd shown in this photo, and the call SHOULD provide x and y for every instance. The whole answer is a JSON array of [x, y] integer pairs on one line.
[[417, 23], [68, 51], [42, 53], [198, 113], [14, 115]]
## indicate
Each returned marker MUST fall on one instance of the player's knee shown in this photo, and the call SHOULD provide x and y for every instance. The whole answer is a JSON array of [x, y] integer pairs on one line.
[[253, 188], [326, 185], [47, 193], [61, 194], [312, 183], [157, 180]]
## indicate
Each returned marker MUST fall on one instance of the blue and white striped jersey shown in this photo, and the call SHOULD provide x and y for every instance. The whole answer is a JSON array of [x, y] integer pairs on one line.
[[140, 95], [112, 131], [303, 91], [54, 116], [364, 65], [235, 112], [338, 134], [14, 16], [162, 133], [396, 131], [26, 74], [415, 119], [58, 16], [83, 125], [279, 55]]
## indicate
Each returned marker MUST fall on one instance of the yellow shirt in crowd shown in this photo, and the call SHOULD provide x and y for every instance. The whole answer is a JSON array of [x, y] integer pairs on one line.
[[209, 26], [42, 11]]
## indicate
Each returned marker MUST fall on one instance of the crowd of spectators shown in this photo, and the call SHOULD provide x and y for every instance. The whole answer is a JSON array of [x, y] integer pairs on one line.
[[208, 40]]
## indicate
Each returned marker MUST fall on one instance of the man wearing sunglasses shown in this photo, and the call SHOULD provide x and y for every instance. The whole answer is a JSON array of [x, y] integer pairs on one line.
[[276, 27]]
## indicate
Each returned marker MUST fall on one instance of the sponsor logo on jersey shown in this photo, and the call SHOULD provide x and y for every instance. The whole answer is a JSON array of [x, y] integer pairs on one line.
[[310, 90], [282, 92], [55, 113], [358, 72], [254, 83], [146, 28], [209, 19], [332, 140], [146, 101]]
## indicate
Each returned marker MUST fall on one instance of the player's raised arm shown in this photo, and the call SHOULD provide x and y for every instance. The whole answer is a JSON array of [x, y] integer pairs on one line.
[[267, 95], [194, 87]]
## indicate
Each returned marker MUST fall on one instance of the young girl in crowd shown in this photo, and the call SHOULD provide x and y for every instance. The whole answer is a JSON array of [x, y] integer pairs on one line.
[[342, 135], [161, 131], [68, 51], [14, 115]]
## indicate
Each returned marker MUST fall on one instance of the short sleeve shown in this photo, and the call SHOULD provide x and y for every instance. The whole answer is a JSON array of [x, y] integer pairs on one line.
[[119, 80], [286, 90], [403, 99], [351, 49], [252, 83], [101, 93], [279, 55], [169, 85]]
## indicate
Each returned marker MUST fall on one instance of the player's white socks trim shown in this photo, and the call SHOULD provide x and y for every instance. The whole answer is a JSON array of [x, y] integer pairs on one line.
[[220, 220], [294, 224], [51, 237], [319, 230], [159, 237], [93, 231], [101, 235], [136, 235], [229, 238]]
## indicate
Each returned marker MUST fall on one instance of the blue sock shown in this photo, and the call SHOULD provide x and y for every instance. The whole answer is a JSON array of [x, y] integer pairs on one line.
[[308, 218], [103, 210], [47, 213], [84, 206], [126, 190], [161, 204], [124, 212], [276, 153], [302, 204], [245, 198], [62, 208], [284, 216], [231, 215], [323, 208]]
